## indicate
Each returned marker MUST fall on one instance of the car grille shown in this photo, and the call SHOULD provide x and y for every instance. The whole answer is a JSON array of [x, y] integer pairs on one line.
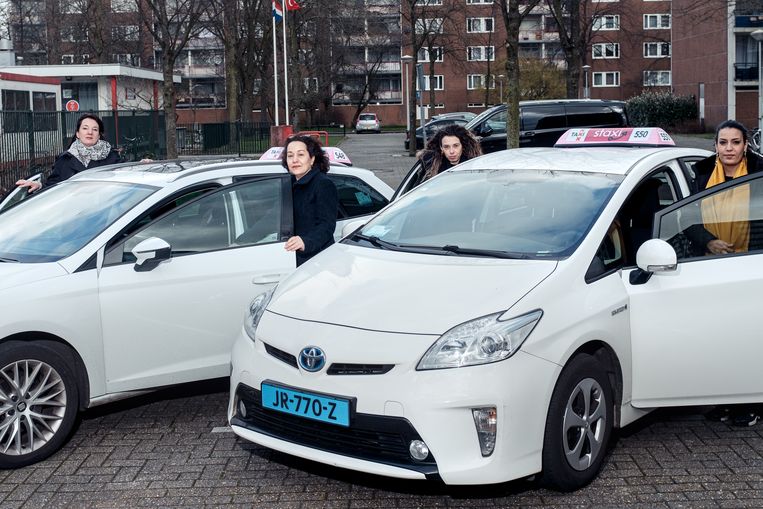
[[334, 369], [381, 439]]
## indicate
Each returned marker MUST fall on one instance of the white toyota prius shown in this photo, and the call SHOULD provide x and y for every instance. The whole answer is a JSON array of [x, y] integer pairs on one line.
[[500, 319], [131, 277]]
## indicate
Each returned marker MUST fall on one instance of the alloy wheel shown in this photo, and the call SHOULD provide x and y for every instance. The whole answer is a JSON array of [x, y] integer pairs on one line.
[[584, 424]]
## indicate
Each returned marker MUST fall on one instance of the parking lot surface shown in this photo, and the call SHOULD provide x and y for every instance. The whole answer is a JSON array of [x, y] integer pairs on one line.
[[172, 448]]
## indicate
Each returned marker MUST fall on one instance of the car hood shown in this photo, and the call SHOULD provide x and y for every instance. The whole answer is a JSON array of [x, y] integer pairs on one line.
[[403, 292], [15, 274]]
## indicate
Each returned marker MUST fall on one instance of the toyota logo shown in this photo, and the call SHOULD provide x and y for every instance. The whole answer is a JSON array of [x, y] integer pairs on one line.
[[312, 359]]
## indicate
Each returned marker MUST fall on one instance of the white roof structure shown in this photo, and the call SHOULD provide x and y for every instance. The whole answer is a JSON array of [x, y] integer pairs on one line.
[[89, 71]]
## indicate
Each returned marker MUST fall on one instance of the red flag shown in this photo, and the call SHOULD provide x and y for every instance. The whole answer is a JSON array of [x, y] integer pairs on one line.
[[292, 5]]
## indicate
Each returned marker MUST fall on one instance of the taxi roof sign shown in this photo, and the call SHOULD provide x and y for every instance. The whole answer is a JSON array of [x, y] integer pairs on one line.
[[616, 137], [336, 155]]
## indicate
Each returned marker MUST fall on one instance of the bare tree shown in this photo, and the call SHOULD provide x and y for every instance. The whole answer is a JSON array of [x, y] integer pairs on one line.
[[172, 23], [512, 18]]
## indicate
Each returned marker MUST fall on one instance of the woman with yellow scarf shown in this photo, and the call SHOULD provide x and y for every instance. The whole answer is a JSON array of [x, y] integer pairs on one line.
[[726, 223], [726, 228]]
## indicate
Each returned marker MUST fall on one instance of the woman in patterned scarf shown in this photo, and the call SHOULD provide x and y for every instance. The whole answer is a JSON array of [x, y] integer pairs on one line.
[[87, 149]]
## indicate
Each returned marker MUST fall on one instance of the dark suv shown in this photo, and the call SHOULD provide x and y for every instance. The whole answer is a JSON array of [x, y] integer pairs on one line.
[[543, 122]]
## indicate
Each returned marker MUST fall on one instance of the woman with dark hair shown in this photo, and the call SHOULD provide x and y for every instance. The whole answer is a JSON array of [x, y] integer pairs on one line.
[[314, 197], [451, 145], [87, 149], [720, 234]]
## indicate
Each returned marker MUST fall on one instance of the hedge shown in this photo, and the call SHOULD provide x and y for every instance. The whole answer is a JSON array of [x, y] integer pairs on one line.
[[661, 109]]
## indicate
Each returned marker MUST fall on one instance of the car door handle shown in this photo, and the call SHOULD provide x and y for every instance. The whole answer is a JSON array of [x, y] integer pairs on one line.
[[267, 279], [529, 134]]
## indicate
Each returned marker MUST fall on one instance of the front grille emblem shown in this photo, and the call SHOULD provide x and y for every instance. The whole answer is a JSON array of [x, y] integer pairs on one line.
[[312, 359]]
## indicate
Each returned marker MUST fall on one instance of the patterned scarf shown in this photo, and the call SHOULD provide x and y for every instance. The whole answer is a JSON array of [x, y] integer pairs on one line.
[[85, 154], [726, 214]]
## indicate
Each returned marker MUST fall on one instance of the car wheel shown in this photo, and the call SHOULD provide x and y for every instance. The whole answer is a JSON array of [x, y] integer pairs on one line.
[[578, 425], [38, 401]]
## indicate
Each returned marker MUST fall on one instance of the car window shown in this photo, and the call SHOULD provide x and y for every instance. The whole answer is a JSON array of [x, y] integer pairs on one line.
[[636, 216], [414, 177], [732, 212], [356, 198], [367, 116], [610, 256], [497, 122], [239, 215], [539, 117], [581, 115]]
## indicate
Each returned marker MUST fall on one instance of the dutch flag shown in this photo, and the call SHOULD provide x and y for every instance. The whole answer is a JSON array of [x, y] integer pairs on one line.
[[277, 11]]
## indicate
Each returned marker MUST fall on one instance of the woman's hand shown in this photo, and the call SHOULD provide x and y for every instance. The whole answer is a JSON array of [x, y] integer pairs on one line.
[[295, 244], [718, 246], [33, 186]]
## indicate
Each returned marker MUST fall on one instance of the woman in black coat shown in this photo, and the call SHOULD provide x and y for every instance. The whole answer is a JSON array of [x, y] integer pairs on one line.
[[87, 149], [314, 197]]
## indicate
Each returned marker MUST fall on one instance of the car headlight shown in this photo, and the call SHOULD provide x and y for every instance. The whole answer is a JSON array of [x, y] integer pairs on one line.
[[479, 341], [256, 310]]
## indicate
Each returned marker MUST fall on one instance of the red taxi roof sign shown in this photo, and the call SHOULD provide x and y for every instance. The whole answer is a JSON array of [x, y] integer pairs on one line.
[[335, 155], [616, 137]]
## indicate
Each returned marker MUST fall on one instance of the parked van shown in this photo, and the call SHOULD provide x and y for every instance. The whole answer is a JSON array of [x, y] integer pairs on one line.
[[543, 122]]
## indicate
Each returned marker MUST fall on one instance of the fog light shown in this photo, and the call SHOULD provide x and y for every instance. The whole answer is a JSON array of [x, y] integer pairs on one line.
[[486, 422], [242, 409], [418, 450]]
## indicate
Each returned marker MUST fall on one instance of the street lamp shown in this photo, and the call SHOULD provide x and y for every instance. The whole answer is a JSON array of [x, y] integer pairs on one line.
[[405, 60], [500, 85], [586, 90], [758, 36]]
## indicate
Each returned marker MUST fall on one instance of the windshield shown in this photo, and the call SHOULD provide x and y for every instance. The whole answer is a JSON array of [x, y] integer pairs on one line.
[[62, 219], [499, 213]]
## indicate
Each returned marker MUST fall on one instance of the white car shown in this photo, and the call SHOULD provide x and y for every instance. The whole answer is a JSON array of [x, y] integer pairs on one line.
[[131, 277], [500, 319]]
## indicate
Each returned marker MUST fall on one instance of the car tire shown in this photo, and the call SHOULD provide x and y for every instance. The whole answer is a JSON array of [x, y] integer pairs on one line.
[[578, 426], [38, 401]]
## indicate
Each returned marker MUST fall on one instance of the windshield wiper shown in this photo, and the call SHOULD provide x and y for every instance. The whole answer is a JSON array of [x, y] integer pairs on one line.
[[484, 252], [376, 241], [8, 260]]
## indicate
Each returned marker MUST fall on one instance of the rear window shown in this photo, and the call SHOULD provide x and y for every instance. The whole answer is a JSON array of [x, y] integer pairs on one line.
[[590, 115], [368, 116]]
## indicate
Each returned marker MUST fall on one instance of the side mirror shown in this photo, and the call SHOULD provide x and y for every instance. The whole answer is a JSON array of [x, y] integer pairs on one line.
[[151, 252], [653, 256], [350, 227]]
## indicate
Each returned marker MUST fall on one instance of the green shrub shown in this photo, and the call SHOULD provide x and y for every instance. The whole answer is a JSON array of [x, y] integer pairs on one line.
[[661, 109]]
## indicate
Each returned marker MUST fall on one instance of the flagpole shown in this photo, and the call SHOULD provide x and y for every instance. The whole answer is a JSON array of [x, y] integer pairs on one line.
[[285, 66], [275, 68]]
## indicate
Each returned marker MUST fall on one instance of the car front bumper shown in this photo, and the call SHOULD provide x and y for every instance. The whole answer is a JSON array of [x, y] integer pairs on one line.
[[393, 408]]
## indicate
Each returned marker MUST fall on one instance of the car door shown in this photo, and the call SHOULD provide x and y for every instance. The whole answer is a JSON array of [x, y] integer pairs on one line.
[[18, 194], [492, 132], [542, 125], [357, 200], [414, 177], [176, 323], [695, 331]]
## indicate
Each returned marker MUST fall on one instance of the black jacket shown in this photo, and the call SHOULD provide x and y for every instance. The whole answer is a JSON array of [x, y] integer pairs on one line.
[[703, 169], [67, 165], [315, 211]]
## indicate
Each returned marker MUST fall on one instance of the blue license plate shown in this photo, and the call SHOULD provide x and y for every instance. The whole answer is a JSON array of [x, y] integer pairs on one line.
[[306, 404]]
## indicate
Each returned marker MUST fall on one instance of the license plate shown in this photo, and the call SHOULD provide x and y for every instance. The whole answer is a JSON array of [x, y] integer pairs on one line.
[[318, 407]]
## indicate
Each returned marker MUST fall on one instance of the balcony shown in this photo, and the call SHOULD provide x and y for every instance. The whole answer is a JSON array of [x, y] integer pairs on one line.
[[746, 71], [749, 21]]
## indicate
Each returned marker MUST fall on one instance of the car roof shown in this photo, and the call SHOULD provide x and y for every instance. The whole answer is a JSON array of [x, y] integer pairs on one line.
[[162, 173], [612, 160]]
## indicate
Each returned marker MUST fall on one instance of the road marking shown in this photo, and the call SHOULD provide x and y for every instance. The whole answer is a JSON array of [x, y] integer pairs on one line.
[[222, 429]]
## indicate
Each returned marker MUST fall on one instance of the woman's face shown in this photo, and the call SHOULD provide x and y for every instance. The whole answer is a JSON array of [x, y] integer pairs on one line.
[[730, 146], [451, 148], [298, 159], [88, 132]]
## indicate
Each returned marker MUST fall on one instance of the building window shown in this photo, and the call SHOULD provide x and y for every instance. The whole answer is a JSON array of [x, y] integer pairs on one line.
[[479, 25], [74, 34], [67, 7], [656, 49], [603, 1], [429, 26], [131, 59], [656, 21], [15, 100], [606, 50], [424, 54], [611, 22], [480, 53], [477, 82], [424, 3], [475, 105], [125, 33], [606, 79], [656, 78], [439, 82], [124, 6], [479, 2], [310, 84], [67, 59], [439, 106]]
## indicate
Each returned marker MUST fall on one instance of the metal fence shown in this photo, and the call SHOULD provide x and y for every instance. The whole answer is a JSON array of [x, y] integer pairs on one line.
[[30, 141]]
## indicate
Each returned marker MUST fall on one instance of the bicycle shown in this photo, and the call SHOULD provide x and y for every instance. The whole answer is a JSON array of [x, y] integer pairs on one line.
[[754, 139], [128, 152]]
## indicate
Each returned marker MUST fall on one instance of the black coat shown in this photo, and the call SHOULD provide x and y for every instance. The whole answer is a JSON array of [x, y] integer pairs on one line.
[[315, 210], [703, 169], [67, 165]]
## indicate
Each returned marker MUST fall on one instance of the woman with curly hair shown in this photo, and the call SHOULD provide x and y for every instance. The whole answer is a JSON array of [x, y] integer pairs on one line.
[[314, 197], [451, 145]]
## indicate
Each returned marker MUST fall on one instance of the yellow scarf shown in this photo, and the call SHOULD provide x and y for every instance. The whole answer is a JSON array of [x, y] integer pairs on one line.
[[726, 215]]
